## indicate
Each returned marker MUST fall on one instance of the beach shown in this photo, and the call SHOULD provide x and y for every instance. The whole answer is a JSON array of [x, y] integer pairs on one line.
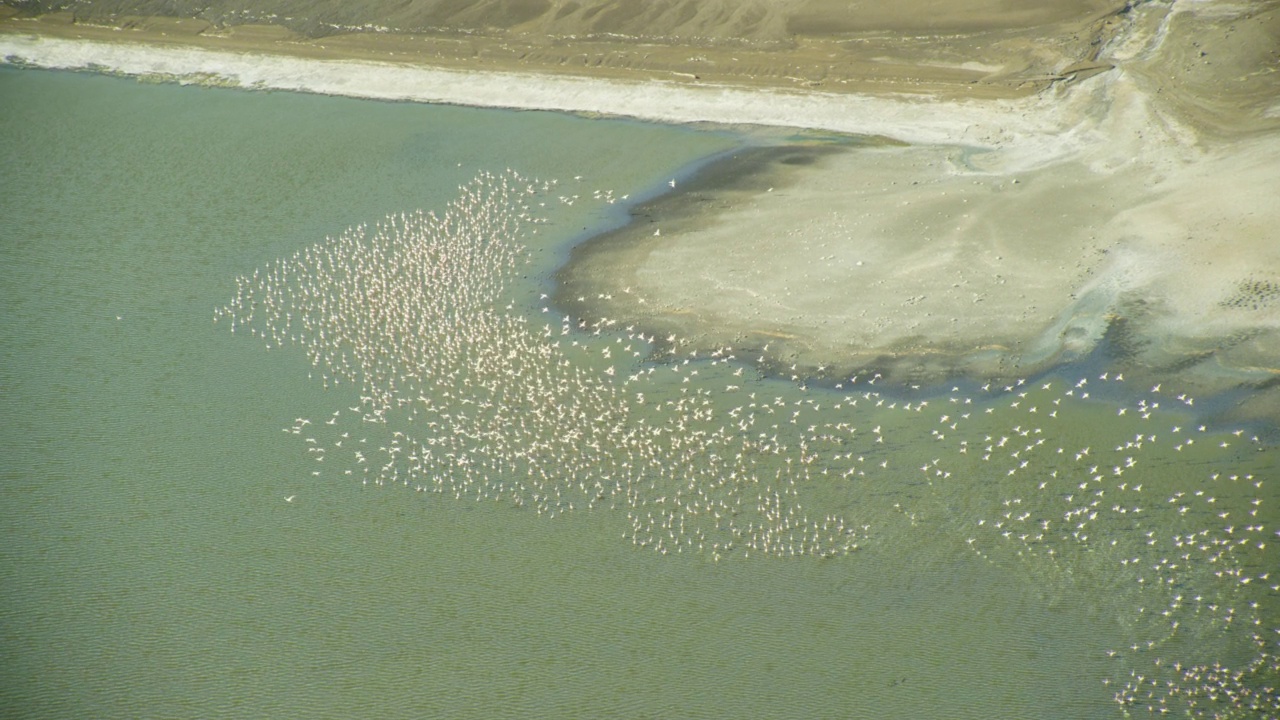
[[1005, 190], [985, 49]]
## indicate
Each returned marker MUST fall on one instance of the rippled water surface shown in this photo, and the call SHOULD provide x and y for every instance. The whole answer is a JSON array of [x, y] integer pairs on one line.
[[417, 495]]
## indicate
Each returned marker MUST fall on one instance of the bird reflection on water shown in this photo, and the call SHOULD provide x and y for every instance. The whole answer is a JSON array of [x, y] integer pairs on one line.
[[463, 396]]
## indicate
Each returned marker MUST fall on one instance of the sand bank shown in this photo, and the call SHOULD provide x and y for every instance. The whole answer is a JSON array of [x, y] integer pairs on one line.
[[910, 262], [982, 48], [1061, 180], [1030, 126]]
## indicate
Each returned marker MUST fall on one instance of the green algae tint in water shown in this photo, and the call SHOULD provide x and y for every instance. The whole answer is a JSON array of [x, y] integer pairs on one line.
[[751, 549]]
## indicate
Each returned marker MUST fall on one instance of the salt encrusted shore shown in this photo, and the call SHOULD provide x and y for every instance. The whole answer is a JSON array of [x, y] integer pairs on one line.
[[1033, 126]]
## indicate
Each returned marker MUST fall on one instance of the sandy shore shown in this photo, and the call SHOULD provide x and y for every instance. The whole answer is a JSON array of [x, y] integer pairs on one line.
[[1058, 180], [902, 106], [979, 48]]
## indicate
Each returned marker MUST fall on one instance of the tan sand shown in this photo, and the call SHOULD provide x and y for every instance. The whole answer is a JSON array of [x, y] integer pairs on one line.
[[983, 48], [872, 255], [1075, 173], [908, 261]]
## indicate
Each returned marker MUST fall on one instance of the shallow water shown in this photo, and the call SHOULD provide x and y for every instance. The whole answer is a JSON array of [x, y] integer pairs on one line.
[[153, 566]]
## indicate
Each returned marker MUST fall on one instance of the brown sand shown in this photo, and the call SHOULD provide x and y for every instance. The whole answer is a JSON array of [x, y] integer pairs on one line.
[[980, 48], [1147, 222]]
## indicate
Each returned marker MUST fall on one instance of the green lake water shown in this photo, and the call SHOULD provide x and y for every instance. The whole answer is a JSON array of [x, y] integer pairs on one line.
[[152, 567]]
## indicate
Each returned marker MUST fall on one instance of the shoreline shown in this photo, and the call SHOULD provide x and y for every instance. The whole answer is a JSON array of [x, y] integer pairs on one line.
[[992, 238], [979, 51], [721, 262], [1032, 129]]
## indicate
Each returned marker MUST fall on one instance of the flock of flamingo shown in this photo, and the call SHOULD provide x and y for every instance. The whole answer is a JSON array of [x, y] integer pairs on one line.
[[464, 393]]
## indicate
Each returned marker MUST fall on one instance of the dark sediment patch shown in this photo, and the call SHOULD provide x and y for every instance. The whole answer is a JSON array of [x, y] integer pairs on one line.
[[1120, 344], [1253, 294]]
